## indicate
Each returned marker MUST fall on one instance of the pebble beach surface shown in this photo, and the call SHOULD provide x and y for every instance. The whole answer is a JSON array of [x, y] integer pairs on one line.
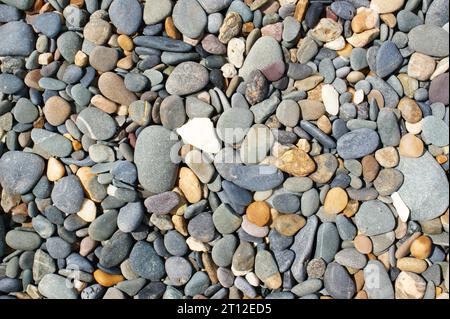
[[224, 149]]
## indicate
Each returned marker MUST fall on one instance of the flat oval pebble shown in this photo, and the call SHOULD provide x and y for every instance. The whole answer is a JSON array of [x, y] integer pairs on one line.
[[186, 78], [153, 159], [220, 149], [95, 123], [357, 143]]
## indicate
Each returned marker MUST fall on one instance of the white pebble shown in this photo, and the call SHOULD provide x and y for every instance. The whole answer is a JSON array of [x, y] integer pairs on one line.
[[400, 206], [330, 99], [200, 133]]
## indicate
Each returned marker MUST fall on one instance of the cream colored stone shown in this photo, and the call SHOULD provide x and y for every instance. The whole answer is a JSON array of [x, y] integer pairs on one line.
[[55, 169], [88, 211]]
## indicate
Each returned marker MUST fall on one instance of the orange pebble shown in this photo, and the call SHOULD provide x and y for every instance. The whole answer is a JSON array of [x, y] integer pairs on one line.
[[106, 279]]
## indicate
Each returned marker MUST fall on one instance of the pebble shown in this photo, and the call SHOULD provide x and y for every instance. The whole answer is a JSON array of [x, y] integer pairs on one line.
[[264, 55], [439, 89], [130, 217], [378, 284], [155, 11], [96, 124], [357, 143], [233, 125], [187, 78], [200, 133], [22, 240], [179, 270], [338, 282], [125, 15], [54, 286], [145, 262], [409, 286], [350, 257], [156, 171], [10, 32], [327, 242], [213, 149], [330, 99], [388, 52], [434, 131], [189, 18], [20, 171], [258, 213], [335, 201], [374, 218], [113, 88], [419, 175], [67, 194], [429, 39], [266, 269], [10, 84]]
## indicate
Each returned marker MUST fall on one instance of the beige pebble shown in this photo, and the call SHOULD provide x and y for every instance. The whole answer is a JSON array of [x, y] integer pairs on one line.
[[409, 285], [411, 146], [363, 244], [411, 264], [441, 67], [88, 211], [414, 128], [335, 201], [387, 157], [189, 185], [421, 66], [55, 169]]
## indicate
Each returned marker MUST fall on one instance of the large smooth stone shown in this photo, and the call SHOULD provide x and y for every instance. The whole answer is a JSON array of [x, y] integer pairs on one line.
[[157, 170]]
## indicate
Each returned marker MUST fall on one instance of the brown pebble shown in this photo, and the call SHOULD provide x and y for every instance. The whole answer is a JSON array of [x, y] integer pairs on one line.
[[363, 244], [411, 146], [421, 247], [289, 224], [370, 168], [411, 112], [258, 213], [56, 110]]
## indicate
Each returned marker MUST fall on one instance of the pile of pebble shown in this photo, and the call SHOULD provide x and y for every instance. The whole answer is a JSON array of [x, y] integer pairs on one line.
[[224, 149]]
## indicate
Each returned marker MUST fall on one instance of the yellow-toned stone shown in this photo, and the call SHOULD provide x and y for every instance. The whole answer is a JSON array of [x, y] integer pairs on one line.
[[296, 162], [346, 51], [300, 10], [81, 59], [258, 213], [190, 185], [171, 30], [107, 280], [324, 124], [289, 224], [421, 247], [365, 19], [55, 169], [410, 85], [412, 264], [336, 200], [180, 224], [125, 42], [389, 19], [409, 109], [360, 40], [351, 208]]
